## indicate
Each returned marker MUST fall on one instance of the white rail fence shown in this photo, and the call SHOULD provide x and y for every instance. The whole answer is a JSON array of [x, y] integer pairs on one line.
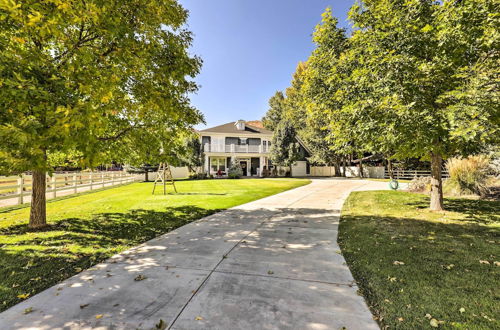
[[410, 174], [17, 188]]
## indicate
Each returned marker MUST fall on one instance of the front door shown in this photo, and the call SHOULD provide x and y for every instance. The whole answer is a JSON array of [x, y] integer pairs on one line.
[[243, 165]]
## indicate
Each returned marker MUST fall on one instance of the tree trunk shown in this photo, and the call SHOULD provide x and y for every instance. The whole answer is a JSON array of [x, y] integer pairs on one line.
[[336, 166], [146, 177], [360, 169], [389, 169], [38, 217], [344, 167], [436, 183]]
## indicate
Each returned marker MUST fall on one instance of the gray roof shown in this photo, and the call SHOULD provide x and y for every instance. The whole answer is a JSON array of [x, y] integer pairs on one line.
[[231, 128]]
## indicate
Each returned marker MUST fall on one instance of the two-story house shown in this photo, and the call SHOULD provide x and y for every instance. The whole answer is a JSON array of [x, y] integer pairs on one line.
[[247, 143]]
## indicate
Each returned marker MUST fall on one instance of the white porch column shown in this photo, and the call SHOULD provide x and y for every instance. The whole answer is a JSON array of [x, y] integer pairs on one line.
[[262, 163], [207, 164]]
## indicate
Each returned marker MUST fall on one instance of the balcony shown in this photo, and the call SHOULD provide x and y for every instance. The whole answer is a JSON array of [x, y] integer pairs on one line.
[[235, 148]]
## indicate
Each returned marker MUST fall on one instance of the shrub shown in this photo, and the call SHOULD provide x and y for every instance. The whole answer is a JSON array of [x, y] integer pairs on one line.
[[468, 175], [198, 176], [420, 184], [235, 171]]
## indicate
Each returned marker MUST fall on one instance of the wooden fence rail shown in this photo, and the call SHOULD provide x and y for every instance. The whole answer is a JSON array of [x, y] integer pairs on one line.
[[410, 174], [17, 187]]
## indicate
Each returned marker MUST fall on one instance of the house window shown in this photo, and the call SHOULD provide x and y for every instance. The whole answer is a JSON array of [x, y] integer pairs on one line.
[[217, 163], [243, 141]]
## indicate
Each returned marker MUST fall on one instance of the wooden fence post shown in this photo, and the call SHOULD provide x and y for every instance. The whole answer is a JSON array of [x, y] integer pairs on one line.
[[53, 185], [20, 189], [75, 189]]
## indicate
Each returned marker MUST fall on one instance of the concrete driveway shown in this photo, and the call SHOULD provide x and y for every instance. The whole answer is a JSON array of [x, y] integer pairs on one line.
[[269, 264]]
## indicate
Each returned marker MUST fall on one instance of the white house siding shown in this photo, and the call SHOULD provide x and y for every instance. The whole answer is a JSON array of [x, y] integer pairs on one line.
[[300, 169]]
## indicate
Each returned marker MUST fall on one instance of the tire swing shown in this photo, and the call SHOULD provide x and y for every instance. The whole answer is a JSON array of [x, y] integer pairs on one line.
[[394, 184]]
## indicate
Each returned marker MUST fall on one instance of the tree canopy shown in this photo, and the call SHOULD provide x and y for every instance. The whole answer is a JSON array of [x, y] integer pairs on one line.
[[95, 77], [415, 78], [274, 114], [285, 149]]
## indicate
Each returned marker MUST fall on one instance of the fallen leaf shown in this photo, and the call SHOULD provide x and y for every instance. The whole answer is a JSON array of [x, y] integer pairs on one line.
[[23, 296], [398, 263], [429, 316], [99, 316], [497, 263], [485, 262], [461, 310], [140, 277], [400, 319], [434, 323], [198, 318], [28, 310], [162, 325], [83, 306], [270, 272]]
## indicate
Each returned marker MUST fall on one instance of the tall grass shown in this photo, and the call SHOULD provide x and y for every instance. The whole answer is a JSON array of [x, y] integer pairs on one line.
[[468, 175]]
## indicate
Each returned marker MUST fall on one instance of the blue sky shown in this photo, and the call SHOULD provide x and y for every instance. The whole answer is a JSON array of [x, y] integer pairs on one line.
[[250, 49]]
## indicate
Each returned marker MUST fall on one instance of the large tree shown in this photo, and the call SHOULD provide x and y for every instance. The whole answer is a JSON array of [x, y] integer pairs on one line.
[[325, 93], [417, 78], [90, 76], [431, 77], [285, 150], [275, 113]]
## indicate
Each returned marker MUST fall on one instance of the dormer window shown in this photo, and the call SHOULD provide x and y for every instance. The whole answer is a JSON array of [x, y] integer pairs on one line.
[[240, 125]]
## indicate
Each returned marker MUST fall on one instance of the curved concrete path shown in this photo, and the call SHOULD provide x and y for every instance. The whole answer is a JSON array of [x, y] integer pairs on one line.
[[270, 264]]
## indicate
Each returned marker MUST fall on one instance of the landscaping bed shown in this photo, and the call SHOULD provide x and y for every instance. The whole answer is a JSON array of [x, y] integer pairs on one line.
[[421, 269], [86, 229]]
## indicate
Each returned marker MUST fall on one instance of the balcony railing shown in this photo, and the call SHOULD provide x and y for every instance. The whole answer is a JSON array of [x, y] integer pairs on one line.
[[235, 148]]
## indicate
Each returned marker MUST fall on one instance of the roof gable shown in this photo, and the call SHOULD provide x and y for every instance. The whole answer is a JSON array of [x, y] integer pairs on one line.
[[231, 128]]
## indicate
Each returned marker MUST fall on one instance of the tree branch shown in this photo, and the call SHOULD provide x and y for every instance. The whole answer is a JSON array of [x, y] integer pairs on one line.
[[119, 134]]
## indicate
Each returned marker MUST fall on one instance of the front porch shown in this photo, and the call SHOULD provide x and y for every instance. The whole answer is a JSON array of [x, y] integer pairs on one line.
[[251, 165]]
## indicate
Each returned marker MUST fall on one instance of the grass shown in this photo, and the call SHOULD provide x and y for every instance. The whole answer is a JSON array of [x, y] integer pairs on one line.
[[387, 180], [449, 272], [89, 228]]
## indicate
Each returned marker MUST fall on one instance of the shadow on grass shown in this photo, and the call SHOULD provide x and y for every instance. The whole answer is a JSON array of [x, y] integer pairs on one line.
[[476, 210], [197, 194], [440, 262], [31, 261]]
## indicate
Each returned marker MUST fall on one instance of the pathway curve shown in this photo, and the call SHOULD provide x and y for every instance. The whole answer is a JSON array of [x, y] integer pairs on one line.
[[270, 264]]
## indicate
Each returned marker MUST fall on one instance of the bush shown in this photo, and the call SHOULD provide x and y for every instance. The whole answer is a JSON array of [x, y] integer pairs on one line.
[[235, 171], [468, 175], [420, 184], [198, 176]]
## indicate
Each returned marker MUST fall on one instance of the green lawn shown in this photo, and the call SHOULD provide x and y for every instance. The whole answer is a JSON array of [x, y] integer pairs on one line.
[[86, 229], [416, 267], [387, 180]]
